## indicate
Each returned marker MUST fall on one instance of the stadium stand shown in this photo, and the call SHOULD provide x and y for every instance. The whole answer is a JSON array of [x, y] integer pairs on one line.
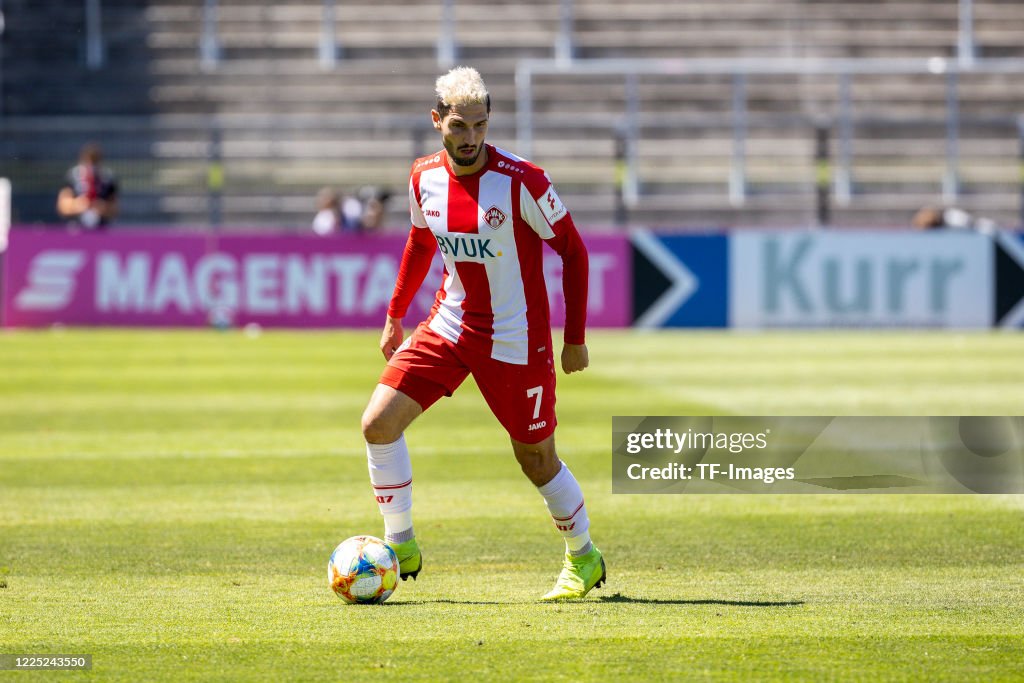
[[280, 126]]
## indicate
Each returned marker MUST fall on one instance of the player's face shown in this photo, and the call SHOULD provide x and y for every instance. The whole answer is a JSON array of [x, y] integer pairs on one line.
[[462, 132]]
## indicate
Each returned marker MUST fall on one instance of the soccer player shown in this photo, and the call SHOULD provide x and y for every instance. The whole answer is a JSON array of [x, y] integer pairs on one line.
[[89, 196], [489, 212]]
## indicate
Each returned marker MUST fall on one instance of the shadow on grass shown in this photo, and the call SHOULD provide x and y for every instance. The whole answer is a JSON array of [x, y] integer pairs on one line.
[[445, 601], [618, 597]]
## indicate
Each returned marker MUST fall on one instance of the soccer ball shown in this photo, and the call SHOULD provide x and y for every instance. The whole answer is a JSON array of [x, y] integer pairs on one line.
[[363, 570]]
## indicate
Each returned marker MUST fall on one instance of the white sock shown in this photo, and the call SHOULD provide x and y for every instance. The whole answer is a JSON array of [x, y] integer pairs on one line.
[[564, 499], [391, 476]]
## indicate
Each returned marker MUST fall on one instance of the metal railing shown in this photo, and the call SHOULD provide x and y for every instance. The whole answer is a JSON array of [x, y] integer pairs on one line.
[[209, 43], [741, 71], [209, 159], [965, 34], [328, 49], [328, 37], [214, 158], [95, 53], [563, 48]]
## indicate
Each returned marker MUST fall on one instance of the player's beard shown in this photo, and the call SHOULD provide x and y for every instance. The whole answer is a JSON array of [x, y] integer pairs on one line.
[[453, 154]]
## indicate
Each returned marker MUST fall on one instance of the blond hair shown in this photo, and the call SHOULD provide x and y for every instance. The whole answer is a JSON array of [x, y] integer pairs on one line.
[[460, 86]]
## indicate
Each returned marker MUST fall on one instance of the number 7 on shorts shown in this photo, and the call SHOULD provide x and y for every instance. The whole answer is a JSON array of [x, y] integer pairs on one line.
[[537, 392]]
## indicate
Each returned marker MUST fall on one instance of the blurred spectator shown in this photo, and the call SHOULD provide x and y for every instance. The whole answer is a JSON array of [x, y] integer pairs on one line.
[[89, 196], [363, 212], [328, 219], [374, 203], [952, 218], [352, 213]]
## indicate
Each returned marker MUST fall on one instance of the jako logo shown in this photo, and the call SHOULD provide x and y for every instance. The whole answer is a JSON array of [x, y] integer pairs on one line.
[[51, 281], [537, 425], [562, 527], [429, 160], [433, 213], [503, 164]]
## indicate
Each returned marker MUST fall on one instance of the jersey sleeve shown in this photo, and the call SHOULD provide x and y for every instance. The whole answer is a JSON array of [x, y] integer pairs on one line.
[[541, 207], [416, 258], [419, 251], [415, 211], [544, 211]]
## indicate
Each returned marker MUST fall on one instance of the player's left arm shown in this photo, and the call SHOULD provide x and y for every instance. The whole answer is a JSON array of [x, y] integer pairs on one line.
[[556, 227]]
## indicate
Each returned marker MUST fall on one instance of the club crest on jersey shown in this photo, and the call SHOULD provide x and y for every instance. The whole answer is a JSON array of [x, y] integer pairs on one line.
[[495, 217]]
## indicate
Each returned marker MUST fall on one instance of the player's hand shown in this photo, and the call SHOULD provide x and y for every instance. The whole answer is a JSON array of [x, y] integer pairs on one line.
[[574, 358], [391, 338]]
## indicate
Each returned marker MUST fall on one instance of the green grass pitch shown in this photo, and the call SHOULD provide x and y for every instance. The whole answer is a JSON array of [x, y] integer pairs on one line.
[[168, 502]]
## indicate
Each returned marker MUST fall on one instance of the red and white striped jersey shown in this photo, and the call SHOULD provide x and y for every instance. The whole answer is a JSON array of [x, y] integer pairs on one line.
[[490, 227]]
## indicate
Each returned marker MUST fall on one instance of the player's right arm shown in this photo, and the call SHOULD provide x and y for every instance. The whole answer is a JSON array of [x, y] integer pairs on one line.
[[419, 252], [392, 337]]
